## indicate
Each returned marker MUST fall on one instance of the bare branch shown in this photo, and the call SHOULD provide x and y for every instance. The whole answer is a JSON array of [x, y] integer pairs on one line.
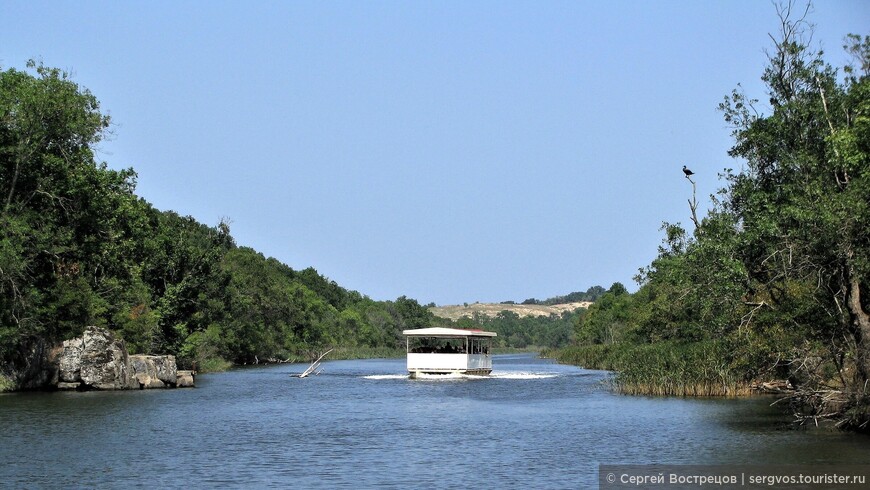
[[693, 204]]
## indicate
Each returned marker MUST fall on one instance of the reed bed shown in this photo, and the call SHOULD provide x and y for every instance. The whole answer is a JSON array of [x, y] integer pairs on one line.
[[663, 369], [212, 365], [6, 384], [216, 364], [359, 352]]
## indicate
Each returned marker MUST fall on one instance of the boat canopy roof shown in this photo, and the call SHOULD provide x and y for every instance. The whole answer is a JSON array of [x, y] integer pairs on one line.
[[447, 332]]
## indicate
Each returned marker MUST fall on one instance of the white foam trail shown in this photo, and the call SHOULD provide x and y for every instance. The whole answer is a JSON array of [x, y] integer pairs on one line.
[[386, 376], [521, 375], [455, 376]]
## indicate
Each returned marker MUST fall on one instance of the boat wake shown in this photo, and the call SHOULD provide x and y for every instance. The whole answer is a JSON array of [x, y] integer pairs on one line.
[[453, 377], [386, 376], [521, 375]]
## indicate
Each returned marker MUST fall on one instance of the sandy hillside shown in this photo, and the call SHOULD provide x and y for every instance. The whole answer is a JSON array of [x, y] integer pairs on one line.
[[492, 309]]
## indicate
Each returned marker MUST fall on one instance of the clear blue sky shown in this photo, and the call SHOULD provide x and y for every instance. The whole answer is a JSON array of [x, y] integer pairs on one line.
[[450, 151]]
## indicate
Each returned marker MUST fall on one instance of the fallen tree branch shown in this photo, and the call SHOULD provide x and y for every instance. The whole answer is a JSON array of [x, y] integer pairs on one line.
[[314, 365]]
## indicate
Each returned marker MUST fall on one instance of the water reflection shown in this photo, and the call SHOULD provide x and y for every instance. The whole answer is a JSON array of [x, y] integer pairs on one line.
[[364, 423]]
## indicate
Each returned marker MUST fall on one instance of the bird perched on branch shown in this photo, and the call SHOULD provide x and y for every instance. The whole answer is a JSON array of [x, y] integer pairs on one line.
[[687, 171]]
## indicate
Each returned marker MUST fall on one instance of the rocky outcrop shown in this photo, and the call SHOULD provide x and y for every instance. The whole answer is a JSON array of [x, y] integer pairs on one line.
[[185, 379], [35, 370], [154, 371], [99, 361], [70, 362]]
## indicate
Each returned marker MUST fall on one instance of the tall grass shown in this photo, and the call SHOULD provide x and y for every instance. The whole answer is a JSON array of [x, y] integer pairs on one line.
[[517, 350], [361, 352], [665, 368], [218, 364], [213, 365], [6, 384]]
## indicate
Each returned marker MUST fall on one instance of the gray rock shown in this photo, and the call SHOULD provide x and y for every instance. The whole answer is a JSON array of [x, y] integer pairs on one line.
[[167, 370], [38, 368], [144, 371], [100, 361], [105, 364], [154, 371], [70, 362], [185, 379]]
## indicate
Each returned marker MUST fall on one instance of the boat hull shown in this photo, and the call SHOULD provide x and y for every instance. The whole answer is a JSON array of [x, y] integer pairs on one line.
[[435, 363], [429, 373]]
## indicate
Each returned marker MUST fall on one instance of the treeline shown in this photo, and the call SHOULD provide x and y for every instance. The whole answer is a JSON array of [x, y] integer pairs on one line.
[[590, 295], [78, 248], [528, 332], [773, 281]]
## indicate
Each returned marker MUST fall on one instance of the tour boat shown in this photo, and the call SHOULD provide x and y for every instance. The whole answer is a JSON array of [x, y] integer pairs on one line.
[[440, 351]]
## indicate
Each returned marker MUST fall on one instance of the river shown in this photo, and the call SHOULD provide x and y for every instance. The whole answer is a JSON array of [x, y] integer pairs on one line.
[[363, 424]]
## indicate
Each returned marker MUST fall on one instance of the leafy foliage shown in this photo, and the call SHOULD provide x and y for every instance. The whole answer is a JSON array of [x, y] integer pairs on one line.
[[527, 332], [591, 295], [78, 248], [774, 281], [66, 219]]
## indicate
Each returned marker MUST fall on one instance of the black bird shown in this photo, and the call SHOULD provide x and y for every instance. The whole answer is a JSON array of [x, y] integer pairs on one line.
[[687, 171]]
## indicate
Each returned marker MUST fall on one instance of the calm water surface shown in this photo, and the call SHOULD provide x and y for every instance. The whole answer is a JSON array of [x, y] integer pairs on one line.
[[533, 424]]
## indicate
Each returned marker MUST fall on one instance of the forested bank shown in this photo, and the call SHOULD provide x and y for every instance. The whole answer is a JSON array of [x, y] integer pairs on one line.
[[78, 247], [773, 282]]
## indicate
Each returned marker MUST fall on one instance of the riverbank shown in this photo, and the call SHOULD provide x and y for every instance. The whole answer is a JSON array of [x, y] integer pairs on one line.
[[217, 365], [662, 369]]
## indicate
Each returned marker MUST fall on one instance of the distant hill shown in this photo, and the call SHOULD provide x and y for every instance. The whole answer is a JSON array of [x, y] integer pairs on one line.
[[493, 309]]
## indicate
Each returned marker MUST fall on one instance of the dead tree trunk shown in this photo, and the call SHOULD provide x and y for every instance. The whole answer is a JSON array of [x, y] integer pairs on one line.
[[314, 365], [693, 203], [860, 320]]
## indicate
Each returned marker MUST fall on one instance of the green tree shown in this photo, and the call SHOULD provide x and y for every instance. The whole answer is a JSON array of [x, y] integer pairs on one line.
[[186, 275], [802, 203], [693, 290], [608, 319], [773, 282], [67, 222]]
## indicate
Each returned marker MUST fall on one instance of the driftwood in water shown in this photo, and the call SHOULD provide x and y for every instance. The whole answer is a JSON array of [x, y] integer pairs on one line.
[[314, 365], [775, 386]]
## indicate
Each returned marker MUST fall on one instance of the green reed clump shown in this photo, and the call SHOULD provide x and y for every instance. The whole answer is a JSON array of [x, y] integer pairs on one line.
[[213, 365], [6, 384], [365, 352], [664, 368], [598, 356], [682, 369]]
